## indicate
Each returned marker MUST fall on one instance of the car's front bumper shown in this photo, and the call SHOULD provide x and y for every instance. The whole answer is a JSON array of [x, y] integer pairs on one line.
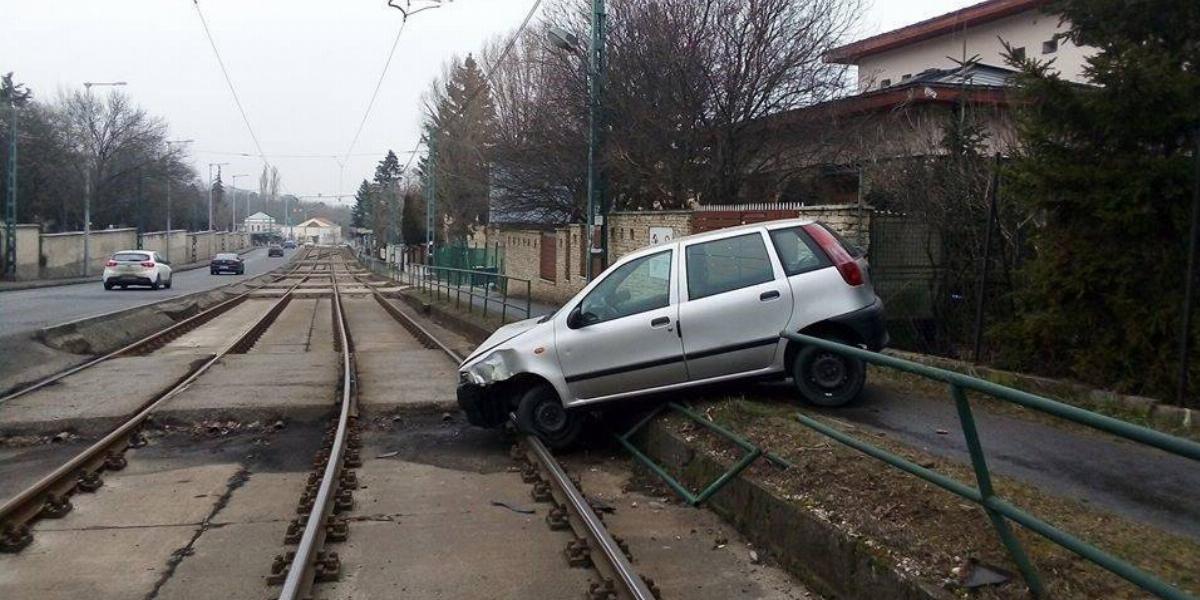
[[483, 409], [869, 324]]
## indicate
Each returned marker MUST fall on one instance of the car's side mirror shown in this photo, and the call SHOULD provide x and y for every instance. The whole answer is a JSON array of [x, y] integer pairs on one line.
[[577, 318]]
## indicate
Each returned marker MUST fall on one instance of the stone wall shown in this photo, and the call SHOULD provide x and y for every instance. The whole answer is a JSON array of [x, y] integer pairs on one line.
[[28, 250], [630, 231], [62, 253]]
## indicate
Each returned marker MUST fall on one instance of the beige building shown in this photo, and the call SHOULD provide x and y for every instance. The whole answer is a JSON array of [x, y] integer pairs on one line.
[[894, 57], [315, 230]]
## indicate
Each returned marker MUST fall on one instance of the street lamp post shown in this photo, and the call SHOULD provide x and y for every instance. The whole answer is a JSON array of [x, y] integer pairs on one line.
[[597, 209], [87, 179], [10, 206], [233, 218], [210, 187]]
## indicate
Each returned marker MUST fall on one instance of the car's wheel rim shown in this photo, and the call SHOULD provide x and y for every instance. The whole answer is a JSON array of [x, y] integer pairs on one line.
[[550, 417], [828, 371]]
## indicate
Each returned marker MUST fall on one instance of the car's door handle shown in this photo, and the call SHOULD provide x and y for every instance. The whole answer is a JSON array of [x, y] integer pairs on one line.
[[771, 295], [659, 322]]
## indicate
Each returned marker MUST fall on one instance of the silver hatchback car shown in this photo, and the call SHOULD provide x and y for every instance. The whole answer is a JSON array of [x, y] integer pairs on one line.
[[699, 309]]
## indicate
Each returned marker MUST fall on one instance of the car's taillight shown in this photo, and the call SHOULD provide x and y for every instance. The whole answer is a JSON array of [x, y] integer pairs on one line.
[[147, 264], [846, 265], [111, 263]]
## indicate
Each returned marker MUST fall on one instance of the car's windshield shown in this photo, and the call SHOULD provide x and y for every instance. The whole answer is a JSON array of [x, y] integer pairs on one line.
[[130, 257]]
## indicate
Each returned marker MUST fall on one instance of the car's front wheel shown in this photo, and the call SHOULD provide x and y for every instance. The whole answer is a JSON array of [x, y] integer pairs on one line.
[[541, 413], [827, 378]]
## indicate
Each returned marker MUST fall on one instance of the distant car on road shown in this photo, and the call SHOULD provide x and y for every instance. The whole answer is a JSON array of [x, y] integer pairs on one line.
[[274, 250], [227, 262], [289, 244], [137, 267], [695, 310]]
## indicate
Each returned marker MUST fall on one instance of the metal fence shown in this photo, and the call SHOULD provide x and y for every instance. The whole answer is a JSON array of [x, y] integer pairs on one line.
[[485, 291], [999, 511]]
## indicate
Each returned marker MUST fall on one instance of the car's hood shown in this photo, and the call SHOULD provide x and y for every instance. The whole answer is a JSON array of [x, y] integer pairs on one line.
[[502, 335]]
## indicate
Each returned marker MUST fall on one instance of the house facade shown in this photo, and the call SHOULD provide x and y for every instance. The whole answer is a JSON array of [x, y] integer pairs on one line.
[[316, 230], [260, 223]]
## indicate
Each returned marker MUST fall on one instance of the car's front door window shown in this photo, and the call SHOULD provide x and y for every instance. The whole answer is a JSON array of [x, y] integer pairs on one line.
[[634, 287]]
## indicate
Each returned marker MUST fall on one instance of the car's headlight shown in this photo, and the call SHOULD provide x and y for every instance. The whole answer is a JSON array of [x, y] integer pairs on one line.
[[489, 370]]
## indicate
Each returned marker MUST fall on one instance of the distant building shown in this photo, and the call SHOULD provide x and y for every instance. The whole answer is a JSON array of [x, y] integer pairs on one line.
[[896, 56], [260, 222], [315, 230]]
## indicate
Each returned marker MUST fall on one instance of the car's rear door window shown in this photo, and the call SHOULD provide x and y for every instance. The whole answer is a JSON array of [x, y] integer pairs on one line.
[[131, 256], [797, 252], [727, 264]]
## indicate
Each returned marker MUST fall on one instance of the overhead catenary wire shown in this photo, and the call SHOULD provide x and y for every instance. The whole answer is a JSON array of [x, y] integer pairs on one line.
[[378, 84], [487, 75], [229, 81]]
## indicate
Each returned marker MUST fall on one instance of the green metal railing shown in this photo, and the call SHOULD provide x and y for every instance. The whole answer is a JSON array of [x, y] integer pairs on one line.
[[999, 511], [752, 453], [483, 290]]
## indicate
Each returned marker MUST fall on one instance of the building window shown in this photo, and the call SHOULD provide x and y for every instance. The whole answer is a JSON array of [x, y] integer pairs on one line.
[[1050, 46], [1018, 53], [885, 83]]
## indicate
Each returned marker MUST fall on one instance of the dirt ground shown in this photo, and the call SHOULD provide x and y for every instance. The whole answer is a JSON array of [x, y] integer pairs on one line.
[[926, 531]]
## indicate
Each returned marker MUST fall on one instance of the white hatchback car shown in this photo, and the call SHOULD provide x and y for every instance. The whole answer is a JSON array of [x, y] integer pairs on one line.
[[699, 309], [137, 267]]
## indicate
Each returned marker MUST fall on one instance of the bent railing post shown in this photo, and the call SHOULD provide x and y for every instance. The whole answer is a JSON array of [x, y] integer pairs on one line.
[[984, 478]]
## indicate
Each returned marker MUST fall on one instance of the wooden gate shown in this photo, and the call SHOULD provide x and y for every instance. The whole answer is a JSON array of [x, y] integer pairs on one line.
[[549, 256]]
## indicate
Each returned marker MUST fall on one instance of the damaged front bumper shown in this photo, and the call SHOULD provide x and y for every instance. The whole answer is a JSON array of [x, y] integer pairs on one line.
[[481, 405]]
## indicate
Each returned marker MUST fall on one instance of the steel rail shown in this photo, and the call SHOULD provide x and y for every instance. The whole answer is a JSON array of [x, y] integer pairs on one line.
[[617, 564], [55, 488], [301, 572], [182, 326]]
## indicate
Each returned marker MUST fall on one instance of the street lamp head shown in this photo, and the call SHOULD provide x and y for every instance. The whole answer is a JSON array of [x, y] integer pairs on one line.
[[562, 39]]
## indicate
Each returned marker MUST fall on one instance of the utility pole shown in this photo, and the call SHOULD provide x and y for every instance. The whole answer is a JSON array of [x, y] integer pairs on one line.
[[210, 187], [141, 213], [10, 206], [91, 165], [233, 219], [597, 200], [431, 200]]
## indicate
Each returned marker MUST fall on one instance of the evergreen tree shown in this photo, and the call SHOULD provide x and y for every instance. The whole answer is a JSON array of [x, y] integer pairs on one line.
[[463, 127], [1109, 166], [362, 205]]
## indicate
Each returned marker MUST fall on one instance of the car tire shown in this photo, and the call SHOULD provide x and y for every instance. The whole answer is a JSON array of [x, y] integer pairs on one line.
[[541, 413], [157, 282], [170, 280], [212, 272], [826, 378], [108, 286]]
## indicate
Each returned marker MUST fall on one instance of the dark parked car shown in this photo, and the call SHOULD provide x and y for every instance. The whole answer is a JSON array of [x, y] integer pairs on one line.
[[227, 262], [275, 250]]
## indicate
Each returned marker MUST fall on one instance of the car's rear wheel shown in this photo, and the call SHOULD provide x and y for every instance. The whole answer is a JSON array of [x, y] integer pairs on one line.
[[157, 282], [541, 413], [827, 378], [168, 283]]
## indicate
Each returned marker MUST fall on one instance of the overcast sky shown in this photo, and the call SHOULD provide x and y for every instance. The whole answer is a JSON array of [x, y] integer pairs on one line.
[[304, 70]]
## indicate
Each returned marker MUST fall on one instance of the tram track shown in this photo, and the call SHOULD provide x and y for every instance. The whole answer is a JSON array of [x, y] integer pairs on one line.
[[50, 496]]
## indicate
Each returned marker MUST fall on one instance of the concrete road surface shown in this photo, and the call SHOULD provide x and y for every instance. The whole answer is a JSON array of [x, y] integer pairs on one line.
[[26, 311]]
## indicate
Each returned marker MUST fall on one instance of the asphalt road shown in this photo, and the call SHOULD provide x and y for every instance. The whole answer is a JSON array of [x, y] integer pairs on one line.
[[26, 311], [1136, 481]]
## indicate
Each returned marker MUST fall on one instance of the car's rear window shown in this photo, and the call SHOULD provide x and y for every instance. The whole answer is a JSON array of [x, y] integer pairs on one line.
[[797, 252], [226, 257], [130, 257]]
